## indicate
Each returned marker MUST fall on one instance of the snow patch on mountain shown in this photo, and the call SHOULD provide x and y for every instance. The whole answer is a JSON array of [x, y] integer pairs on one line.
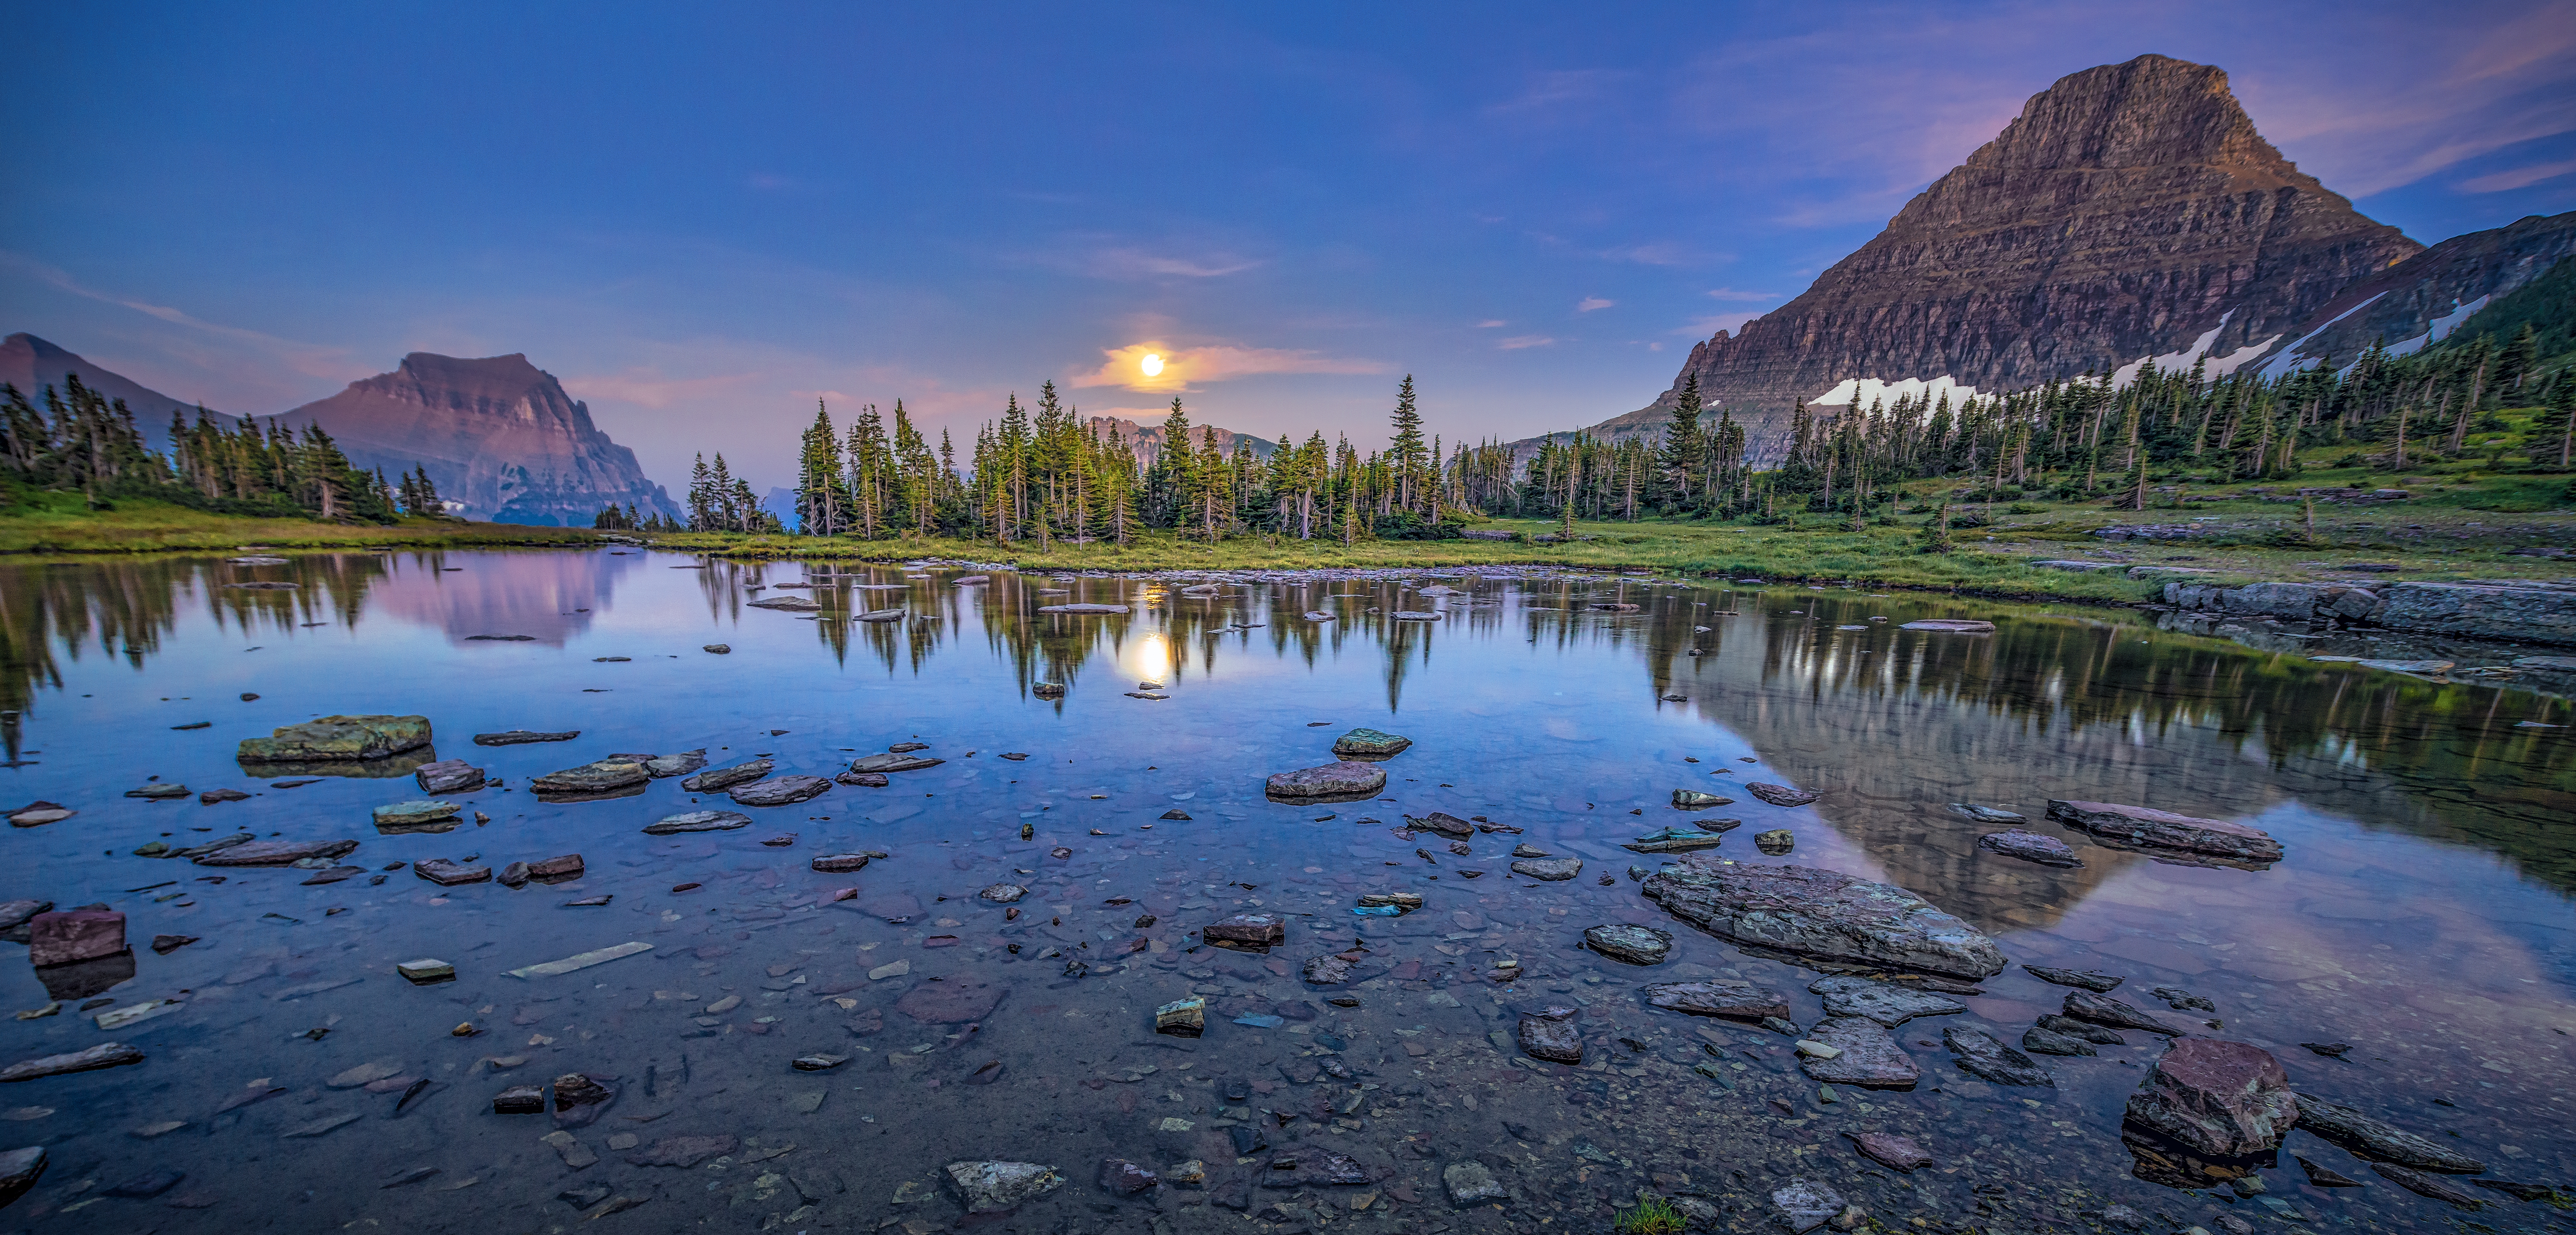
[[1862, 391]]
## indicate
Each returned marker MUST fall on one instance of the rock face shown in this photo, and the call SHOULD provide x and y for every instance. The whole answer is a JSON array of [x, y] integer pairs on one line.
[[2429, 294], [499, 435], [2138, 825], [2220, 1098], [335, 739], [2130, 211], [1342, 778], [2511, 610], [1825, 914]]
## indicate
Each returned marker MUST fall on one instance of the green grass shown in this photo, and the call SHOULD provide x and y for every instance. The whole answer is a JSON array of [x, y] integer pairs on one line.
[[62, 523], [1653, 1216]]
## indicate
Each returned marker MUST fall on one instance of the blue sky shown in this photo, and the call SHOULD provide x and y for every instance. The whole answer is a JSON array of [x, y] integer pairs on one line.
[[704, 217]]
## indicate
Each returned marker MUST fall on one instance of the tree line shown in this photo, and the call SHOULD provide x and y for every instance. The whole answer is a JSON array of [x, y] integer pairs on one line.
[[80, 440]]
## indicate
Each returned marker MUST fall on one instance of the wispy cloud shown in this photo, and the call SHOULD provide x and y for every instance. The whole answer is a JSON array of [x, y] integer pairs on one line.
[[1559, 90], [1491, 323], [1663, 253], [1130, 263], [309, 359], [2498, 182], [1181, 366], [1590, 304], [1729, 293], [1520, 341]]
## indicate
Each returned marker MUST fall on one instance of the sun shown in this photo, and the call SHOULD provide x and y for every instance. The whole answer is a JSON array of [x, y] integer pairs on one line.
[[1152, 364]]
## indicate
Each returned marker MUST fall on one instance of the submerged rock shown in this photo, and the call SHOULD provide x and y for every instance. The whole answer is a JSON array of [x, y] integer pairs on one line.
[[1742, 1001], [1471, 1183], [2420, 1184], [1888, 1004], [1982, 1054], [1550, 869], [1988, 814], [1369, 744], [338, 739], [276, 852], [2041, 1041], [1682, 840], [1894, 1150], [2223, 1099], [1330, 969], [1803, 1205], [1120, 1177], [415, 812], [2031, 847], [1812, 912], [2085, 978], [1781, 795], [2104, 1010], [103, 1055], [1441, 822], [1550, 1034], [991, 1187], [1340, 778], [1865, 1055], [1637, 945], [1248, 930], [19, 1171], [2371, 1138], [2138, 825]]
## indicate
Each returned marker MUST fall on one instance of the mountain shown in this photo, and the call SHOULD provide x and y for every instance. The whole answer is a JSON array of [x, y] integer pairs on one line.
[[2423, 299], [1147, 440], [498, 434], [2130, 211], [31, 364]]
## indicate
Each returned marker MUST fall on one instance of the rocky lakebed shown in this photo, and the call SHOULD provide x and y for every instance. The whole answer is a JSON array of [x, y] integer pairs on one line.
[[520, 890]]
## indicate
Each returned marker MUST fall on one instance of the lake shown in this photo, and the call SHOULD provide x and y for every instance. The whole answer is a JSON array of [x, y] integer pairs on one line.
[[2419, 918]]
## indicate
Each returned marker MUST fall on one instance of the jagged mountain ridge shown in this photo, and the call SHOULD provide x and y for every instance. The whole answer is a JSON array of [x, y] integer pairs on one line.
[[497, 434], [2421, 300], [2129, 211]]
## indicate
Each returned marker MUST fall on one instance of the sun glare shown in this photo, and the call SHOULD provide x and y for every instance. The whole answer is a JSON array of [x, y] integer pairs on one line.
[[1152, 364]]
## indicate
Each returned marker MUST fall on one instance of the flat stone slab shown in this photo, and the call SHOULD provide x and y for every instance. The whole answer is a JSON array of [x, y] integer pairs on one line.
[[338, 738], [2030, 847], [2372, 1138], [1682, 840], [726, 778], [698, 821], [892, 761], [448, 776], [1338, 779], [1737, 1001], [2138, 825], [2084, 978], [1886, 1003], [103, 1055], [1369, 744], [418, 811], [1826, 914], [579, 961], [1869, 1056], [277, 852], [599, 776], [1255, 930], [2104, 1010], [661, 767], [1983, 1055], [1549, 869], [523, 737], [780, 790], [1637, 945], [1951, 626]]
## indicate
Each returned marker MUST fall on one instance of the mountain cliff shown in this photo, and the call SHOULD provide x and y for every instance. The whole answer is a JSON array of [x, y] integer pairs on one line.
[[498, 434], [2130, 211], [2423, 299]]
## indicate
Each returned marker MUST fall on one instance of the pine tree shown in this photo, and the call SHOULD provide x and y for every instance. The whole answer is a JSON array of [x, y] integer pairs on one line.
[[1682, 462], [1406, 449]]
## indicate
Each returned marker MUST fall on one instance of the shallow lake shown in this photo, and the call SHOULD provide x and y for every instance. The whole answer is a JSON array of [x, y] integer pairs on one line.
[[2420, 915]]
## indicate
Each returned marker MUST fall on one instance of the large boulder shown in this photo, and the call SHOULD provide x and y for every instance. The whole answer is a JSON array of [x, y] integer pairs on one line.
[[2138, 825], [1342, 778], [2224, 1099], [337, 739], [1825, 914]]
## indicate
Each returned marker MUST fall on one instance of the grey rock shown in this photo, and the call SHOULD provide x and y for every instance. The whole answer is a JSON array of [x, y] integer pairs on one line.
[[1550, 869], [1741, 1001], [1775, 841], [448, 874], [337, 739], [1470, 1183], [1342, 778], [2084, 978], [2040, 1041], [1329, 969], [1003, 893], [1987, 814], [2137, 825], [448, 776], [1443, 823], [19, 1171], [414, 813], [1255, 930], [1369, 744], [521, 737], [1803, 1205], [1982, 1054], [277, 852], [2372, 1138], [698, 821], [2031, 847], [1637, 945], [717, 779], [991, 1187], [780, 791], [1550, 1034], [1781, 795], [1894, 1150], [600, 776], [2067, 1026], [1693, 799], [103, 1055], [2104, 1010], [1888, 1004], [1868, 1055], [1825, 914], [662, 767], [893, 761]]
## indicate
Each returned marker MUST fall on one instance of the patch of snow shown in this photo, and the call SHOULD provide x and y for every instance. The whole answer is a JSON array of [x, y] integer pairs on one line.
[[2230, 362], [2174, 361], [2291, 356], [1862, 391], [2442, 325]]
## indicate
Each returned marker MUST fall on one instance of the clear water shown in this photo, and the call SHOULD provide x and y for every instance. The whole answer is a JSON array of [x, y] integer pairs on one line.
[[2422, 913]]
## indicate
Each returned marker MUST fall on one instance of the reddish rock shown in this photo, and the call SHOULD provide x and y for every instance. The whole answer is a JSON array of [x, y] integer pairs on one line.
[[74, 935], [554, 870], [1895, 1150], [2219, 1098]]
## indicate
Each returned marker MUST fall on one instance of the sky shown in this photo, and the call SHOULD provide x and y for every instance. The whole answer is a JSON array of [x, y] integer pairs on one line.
[[704, 218]]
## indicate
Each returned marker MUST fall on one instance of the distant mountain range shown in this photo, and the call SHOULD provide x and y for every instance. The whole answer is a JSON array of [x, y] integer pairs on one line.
[[1147, 439], [2130, 213], [500, 437]]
